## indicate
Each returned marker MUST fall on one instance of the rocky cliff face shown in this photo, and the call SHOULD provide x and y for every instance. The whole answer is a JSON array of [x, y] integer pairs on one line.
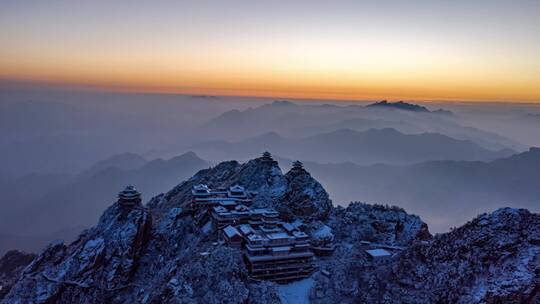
[[304, 197], [101, 262], [350, 272], [377, 223], [11, 266], [157, 254], [493, 259]]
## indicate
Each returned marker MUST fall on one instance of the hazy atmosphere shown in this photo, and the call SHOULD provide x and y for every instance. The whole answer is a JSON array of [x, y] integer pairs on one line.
[[65, 153], [269, 152]]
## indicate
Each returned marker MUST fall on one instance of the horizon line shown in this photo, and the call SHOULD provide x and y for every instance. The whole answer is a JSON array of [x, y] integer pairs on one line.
[[13, 83]]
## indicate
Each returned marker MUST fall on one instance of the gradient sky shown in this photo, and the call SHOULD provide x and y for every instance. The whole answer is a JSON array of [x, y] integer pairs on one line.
[[424, 50]]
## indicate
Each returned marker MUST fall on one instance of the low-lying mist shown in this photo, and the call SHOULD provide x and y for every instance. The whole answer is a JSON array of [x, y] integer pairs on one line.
[[66, 153]]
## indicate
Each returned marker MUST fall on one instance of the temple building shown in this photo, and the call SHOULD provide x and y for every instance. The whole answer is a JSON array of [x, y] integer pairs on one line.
[[273, 250], [234, 215], [278, 255], [204, 198], [129, 196], [379, 256], [237, 191], [232, 236], [200, 191], [267, 157], [297, 166]]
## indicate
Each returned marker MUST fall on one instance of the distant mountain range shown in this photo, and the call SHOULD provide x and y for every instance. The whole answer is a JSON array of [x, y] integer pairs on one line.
[[401, 105], [125, 161], [78, 201], [295, 120], [532, 118], [67, 131], [445, 193], [361, 147]]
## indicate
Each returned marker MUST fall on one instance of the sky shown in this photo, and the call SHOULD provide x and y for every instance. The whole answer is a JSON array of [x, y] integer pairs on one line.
[[413, 50]]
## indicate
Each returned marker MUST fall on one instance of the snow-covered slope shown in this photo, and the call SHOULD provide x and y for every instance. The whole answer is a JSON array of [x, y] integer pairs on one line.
[[494, 258]]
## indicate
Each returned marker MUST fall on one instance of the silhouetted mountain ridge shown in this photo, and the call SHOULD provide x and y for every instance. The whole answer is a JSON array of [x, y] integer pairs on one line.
[[125, 161], [446, 193], [400, 105], [304, 120], [361, 147]]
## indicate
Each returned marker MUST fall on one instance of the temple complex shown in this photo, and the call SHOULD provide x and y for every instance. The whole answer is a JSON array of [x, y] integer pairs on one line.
[[273, 249]]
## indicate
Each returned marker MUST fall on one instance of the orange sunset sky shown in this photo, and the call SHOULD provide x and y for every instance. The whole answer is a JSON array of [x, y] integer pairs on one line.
[[424, 50]]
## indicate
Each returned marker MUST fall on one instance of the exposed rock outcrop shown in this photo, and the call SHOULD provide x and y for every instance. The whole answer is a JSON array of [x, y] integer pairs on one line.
[[96, 266], [377, 223], [11, 266], [305, 197], [350, 272], [493, 259]]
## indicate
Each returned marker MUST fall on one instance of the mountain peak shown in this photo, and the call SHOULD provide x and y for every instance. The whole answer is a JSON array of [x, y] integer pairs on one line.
[[266, 139], [534, 150], [305, 196], [400, 105], [271, 134], [297, 193], [102, 258], [283, 103], [501, 217], [188, 156], [528, 158], [124, 161]]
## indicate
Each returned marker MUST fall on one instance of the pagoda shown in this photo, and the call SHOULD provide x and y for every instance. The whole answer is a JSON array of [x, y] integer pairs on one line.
[[129, 196], [267, 157], [298, 166]]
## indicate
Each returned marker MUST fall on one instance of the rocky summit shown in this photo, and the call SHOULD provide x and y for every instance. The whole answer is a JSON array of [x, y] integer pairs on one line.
[[495, 258], [166, 252], [11, 265]]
